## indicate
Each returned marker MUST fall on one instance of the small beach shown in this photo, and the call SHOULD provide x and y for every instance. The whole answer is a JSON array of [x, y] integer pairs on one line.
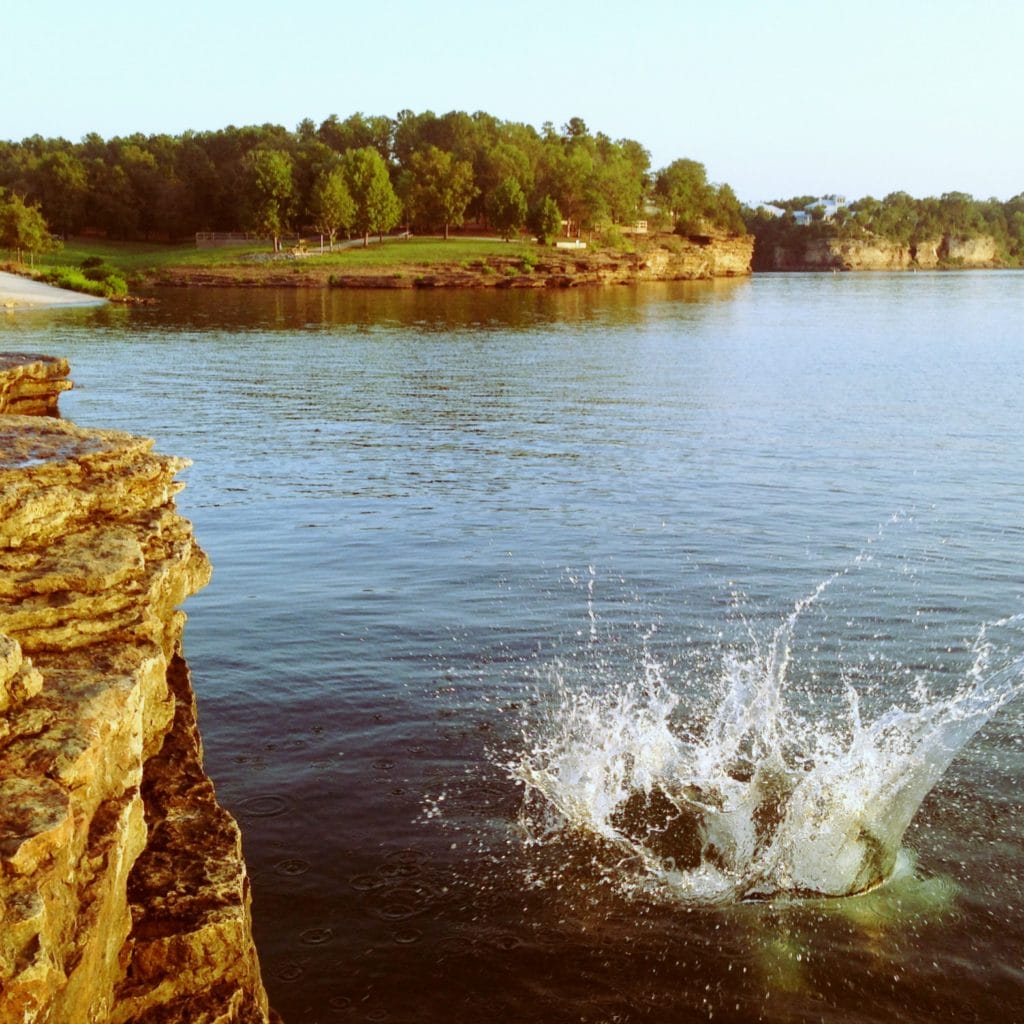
[[21, 293]]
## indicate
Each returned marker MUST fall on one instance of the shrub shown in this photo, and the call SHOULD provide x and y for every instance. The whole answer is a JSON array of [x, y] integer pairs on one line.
[[110, 286], [117, 287], [97, 270], [613, 238]]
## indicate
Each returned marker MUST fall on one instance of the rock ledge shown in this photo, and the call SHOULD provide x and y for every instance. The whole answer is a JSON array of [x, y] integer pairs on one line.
[[123, 892]]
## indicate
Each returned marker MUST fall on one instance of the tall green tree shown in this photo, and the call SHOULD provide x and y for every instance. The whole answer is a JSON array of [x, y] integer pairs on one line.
[[332, 206], [269, 192], [377, 208], [545, 220], [683, 189], [23, 228], [441, 188], [507, 207], [61, 185]]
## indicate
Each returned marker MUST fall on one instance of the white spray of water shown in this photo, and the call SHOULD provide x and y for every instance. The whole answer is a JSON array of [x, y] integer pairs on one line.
[[759, 798]]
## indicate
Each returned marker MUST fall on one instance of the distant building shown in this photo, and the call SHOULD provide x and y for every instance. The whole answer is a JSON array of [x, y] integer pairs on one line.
[[830, 206]]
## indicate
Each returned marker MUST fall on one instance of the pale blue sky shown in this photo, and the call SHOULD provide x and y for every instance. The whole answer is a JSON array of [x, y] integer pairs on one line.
[[776, 98]]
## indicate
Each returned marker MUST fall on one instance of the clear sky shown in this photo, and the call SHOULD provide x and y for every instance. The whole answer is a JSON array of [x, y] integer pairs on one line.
[[776, 97]]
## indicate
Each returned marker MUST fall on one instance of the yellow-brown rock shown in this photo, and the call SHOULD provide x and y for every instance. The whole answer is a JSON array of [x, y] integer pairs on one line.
[[871, 252], [123, 893], [31, 384]]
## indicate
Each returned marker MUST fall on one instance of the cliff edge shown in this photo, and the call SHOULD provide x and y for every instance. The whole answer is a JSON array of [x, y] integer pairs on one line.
[[123, 892], [876, 253]]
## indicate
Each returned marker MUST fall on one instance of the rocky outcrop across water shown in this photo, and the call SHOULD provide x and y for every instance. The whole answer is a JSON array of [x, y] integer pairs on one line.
[[653, 258], [123, 892], [876, 253]]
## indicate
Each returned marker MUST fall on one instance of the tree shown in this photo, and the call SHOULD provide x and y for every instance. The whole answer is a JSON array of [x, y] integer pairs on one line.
[[545, 220], [376, 206], [358, 132], [22, 228], [441, 188], [332, 206], [683, 188], [61, 186], [269, 192], [507, 207]]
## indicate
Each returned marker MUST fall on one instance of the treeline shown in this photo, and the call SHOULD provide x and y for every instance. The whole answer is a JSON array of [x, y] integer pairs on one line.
[[898, 218], [362, 175]]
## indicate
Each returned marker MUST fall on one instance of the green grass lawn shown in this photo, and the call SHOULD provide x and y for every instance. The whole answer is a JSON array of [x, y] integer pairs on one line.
[[136, 259], [410, 251]]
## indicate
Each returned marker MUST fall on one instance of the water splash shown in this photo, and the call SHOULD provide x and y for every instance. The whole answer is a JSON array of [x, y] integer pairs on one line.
[[763, 795]]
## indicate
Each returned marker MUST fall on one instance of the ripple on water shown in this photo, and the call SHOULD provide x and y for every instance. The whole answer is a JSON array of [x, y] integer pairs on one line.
[[316, 936], [292, 866], [401, 902], [266, 805], [366, 882], [402, 864], [289, 971]]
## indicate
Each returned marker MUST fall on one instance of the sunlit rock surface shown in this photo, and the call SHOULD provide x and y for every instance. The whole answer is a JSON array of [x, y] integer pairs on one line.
[[123, 893], [31, 384], [877, 253]]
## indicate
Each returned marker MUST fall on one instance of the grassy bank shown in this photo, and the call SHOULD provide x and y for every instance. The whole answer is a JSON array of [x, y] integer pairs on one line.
[[140, 262], [421, 262]]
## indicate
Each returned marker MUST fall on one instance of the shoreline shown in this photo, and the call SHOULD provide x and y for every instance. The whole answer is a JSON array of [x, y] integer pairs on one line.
[[17, 292], [419, 264]]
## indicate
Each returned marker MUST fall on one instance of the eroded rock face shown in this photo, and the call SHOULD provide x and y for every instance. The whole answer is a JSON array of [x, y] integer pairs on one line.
[[31, 384], [875, 253], [123, 893]]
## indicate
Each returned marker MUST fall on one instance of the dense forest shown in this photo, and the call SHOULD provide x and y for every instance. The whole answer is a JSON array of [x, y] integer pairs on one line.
[[898, 218], [362, 175]]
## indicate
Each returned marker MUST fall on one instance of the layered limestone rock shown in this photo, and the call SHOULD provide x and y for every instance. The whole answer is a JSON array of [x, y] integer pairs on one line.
[[123, 893], [875, 253], [697, 258], [979, 251], [31, 384]]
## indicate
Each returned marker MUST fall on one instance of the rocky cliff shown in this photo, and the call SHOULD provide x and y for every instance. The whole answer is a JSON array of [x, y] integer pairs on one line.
[[875, 253], [123, 893]]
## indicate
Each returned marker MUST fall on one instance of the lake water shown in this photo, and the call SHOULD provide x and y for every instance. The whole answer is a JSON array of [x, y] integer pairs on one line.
[[528, 659]]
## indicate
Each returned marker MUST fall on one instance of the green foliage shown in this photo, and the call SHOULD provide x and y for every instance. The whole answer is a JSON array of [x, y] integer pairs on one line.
[[22, 227], [545, 220], [269, 192], [507, 208], [332, 206], [613, 238], [109, 287], [376, 206], [898, 218], [97, 271], [697, 206], [448, 168], [440, 188]]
